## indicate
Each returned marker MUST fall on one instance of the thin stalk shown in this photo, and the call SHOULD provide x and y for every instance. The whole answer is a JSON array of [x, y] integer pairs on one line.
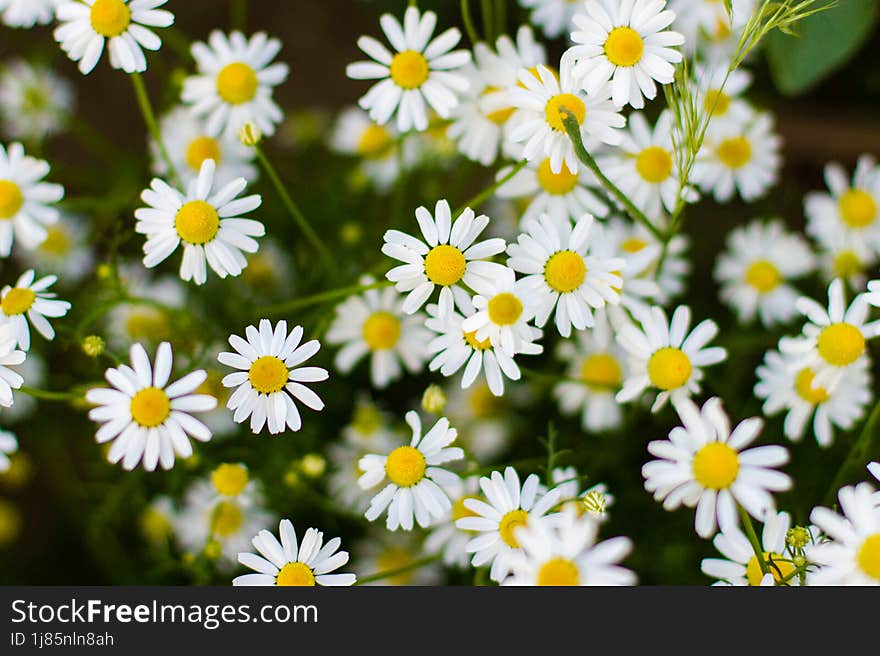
[[753, 539], [468, 21], [500, 17], [484, 195], [317, 299], [387, 574], [858, 456], [488, 20], [140, 91], [47, 395]]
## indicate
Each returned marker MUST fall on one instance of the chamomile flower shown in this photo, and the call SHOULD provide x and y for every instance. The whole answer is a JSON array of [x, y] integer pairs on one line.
[[383, 551], [756, 270], [484, 421], [542, 98], [145, 322], [147, 419], [720, 90], [739, 157], [292, 563], [845, 255], [786, 385], [446, 538], [422, 71], [852, 555], [9, 356], [740, 566], [8, 446], [449, 256], [65, 250], [593, 501], [628, 45], [207, 223], [29, 302], [553, 16], [27, 13], [703, 465], [708, 25], [416, 481], [35, 103], [666, 356], [234, 83], [25, 200], [33, 370], [269, 377], [561, 272], [85, 26], [510, 505], [373, 323]]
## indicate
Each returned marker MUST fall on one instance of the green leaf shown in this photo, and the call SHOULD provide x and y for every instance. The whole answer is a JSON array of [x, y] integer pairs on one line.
[[824, 42]]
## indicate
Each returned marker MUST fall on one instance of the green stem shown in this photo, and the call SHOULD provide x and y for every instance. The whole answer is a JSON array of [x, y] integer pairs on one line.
[[49, 396], [387, 574], [468, 21], [488, 21], [753, 539], [140, 91], [867, 444], [500, 17], [238, 14], [484, 195], [317, 299]]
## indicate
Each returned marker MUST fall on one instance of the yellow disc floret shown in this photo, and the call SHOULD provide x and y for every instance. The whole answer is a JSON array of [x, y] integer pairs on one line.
[[197, 222], [847, 263], [110, 18], [11, 199], [601, 372], [565, 271], [505, 309], [654, 164], [716, 466], [230, 479], [669, 368], [624, 46], [237, 83], [200, 149], [559, 572], [803, 384], [445, 265], [780, 567], [763, 276], [268, 374], [295, 574], [633, 245], [226, 519], [734, 152], [509, 523], [150, 407], [717, 102], [57, 242], [476, 344], [557, 184], [381, 331], [405, 466], [17, 300], [459, 510], [869, 556], [858, 208], [564, 101], [375, 142], [841, 344], [409, 69]]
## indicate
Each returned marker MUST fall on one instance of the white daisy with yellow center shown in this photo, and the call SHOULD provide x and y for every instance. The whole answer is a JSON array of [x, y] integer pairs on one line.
[[485, 421], [562, 273], [147, 419], [9, 356], [844, 254], [544, 100], [85, 26], [29, 302], [711, 28], [269, 378], [208, 223], [421, 71], [234, 83], [667, 356], [8, 446], [374, 324], [446, 538], [721, 91], [35, 103], [757, 268], [449, 257], [416, 481], [851, 556], [510, 506], [565, 552], [705, 465], [553, 16], [626, 44], [26, 202], [66, 250], [27, 13], [293, 563], [142, 320], [593, 501]]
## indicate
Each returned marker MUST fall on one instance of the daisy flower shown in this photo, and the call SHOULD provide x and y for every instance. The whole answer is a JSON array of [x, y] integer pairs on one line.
[[289, 563], [594, 500], [33, 370], [446, 538], [786, 385], [27, 13], [415, 478], [562, 273], [234, 83], [367, 433], [270, 378], [741, 157], [509, 507], [448, 256], [9, 356], [25, 201], [8, 446], [709, 26], [703, 465], [553, 16], [720, 90], [382, 551], [147, 419], [65, 250], [852, 555], [35, 103], [140, 321], [373, 323], [665, 356], [209, 224], [844, 254], [541, 98], [628, 45], [156, 521], [832, 340], [565, 553], [485, 421], [421, 70], [740, 566], [756, 270], [29, 297], [86, 25]]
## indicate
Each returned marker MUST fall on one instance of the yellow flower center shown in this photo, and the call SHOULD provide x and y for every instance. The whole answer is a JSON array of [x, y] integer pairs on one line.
[[780, 568], [459, 510], [396, 558], [601, 372], [367, 419], [18, 300], [499, 116], [484, 404], [633, 245], [57, 241], [445, 265], [841, 344], [509, 523], [735, 152], [295, 574], [381, 331], [858, 208], [669, 368], [869, 556], [200, 149], [624, 46], [718, 100], [230, 479], [147, 323], [150, 407], [557, 184], [846, 264], [654, 164], [565, 271], [803, 385], [763, 276], [716, 466], [237, 83], [268, 374], [409, 69], [197, 222], [155, 525], [375, 142], [405, 466], [559, 572], [564, 101], [11, 199], [505, 309], [110, 17], [474, 343], [226, 519]]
